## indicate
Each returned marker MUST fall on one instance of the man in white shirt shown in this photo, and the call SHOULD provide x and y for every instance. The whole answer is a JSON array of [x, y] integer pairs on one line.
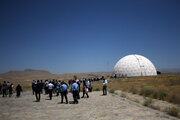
[[50, 89], [104, 87]]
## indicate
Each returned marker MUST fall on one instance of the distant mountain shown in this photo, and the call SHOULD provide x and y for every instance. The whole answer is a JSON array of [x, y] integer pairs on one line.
[[26, 76]]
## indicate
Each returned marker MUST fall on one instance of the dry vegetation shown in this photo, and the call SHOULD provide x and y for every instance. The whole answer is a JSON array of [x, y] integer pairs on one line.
[[164, 87]]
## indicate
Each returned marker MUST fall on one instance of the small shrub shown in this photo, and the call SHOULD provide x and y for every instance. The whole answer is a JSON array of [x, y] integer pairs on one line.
[[175, 99], [155, 107], [162, 94], [147, 101], [142, 91], [123, 95], [155, 95], [173, 111], [112, 91], [97, 89], [75, 77], [125, 88], [133, 90], [146, 92]]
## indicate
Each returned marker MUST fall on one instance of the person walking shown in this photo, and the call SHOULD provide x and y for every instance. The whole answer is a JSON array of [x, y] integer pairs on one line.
[[37, 88], [75, 91], [104, 87], [4, 88], [41, 86], [78, 82], [58, 84], [64, 91], [50, 89], [33, 86], [0, 88], [85, 89], [10, 90], [18, 90], [46, 86]]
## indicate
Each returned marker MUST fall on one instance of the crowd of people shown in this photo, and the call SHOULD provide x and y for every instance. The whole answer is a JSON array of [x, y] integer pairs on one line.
[[54, 87], [6, 89], [60, 87]]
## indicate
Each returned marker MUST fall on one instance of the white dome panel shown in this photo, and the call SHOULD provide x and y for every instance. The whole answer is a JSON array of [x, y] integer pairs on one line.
[[134, 65]]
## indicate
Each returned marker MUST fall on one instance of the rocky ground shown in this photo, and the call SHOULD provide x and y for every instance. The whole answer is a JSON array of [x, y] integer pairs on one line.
[[97, 107]]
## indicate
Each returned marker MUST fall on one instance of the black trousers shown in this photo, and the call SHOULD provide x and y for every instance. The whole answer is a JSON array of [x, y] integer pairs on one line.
[[75, 96], [18, 93], [86, 94], [104, 90], [10, 92], [50, 93], [38, 96], [46, 90], [4, 92], [33, 91], [64, 94]]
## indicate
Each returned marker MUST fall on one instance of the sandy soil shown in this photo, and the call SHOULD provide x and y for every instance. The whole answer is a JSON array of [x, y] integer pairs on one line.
[[97, 107]]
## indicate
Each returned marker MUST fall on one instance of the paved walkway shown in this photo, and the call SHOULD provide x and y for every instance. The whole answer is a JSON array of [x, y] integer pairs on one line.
[[97, 107]]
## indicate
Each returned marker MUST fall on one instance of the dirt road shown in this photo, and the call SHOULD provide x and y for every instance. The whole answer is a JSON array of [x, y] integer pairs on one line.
[[97, 107]]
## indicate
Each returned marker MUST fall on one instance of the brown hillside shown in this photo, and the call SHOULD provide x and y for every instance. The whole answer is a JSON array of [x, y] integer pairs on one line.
[[25, 77]]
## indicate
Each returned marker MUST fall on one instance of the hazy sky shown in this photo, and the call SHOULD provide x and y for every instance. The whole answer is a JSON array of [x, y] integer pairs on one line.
[[72, 36]]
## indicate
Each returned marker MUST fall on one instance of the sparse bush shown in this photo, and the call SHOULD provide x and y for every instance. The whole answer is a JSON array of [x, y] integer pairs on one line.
[[174, 82], [123, 95], [155, 95], [125, 88], [147, 92], [75, 77], [173, 111], [162, 94], [175, 99], [112, 91], [133, 90], [155, 107], [147, 101], [97, 89]]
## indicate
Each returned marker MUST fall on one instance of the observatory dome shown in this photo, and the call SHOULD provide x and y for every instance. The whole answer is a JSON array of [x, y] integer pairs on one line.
[[134, 65]]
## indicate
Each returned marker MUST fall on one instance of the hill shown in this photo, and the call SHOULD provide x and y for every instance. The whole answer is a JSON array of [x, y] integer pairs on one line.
[[26, 76]]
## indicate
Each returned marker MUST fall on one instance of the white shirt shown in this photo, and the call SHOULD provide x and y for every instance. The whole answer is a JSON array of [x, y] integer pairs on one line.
[[105, 83], [50, 86]]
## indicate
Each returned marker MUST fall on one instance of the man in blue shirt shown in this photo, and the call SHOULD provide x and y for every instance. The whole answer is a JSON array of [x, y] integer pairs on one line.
[[75, 91], [4, 88], [64, 91]]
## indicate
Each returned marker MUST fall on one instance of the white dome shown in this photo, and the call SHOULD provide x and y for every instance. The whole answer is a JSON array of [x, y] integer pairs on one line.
[[134, 65]]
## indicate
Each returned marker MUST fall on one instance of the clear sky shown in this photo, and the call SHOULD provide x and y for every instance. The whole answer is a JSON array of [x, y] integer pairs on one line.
[[76, 36]]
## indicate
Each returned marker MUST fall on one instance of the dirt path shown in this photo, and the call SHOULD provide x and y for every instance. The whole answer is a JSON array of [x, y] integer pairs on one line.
[[110, 107]]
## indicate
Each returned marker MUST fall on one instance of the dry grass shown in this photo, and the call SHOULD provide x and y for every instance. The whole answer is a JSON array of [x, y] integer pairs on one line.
[[164, 87]]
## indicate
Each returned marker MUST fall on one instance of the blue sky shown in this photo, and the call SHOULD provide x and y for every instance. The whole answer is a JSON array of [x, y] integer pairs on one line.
[[76, 36]]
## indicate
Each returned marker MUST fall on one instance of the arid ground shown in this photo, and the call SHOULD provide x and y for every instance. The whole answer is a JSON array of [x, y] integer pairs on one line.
[[97, 107]]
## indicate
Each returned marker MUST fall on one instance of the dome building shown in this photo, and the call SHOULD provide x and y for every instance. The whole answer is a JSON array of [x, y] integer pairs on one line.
[[134, 65]]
